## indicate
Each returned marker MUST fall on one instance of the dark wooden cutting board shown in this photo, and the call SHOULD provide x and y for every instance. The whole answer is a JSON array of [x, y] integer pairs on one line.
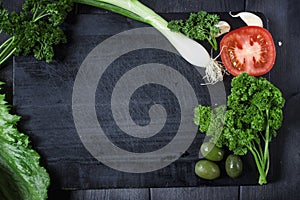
[[43, 96]]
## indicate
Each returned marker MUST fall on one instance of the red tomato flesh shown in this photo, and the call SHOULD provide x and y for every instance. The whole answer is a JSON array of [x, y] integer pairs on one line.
[[248, 49]]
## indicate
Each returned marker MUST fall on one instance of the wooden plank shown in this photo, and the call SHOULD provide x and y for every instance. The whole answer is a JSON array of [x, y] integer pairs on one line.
[[180, 6], [203, 193], [112, 194], [173, 6], [43, 95], [128, 194], [12, 5], [284, 25], [285, 158], [281, 15]]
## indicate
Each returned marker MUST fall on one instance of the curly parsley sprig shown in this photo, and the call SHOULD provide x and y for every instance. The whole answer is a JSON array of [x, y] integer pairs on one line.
[[251, 119], [199, 26], [35, 29]]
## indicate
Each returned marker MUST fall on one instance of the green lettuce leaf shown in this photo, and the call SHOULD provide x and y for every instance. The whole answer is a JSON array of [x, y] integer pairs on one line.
[[21, 176]]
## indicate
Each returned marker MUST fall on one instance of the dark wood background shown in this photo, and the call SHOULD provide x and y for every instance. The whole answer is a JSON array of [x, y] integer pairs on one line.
[[284, 25]]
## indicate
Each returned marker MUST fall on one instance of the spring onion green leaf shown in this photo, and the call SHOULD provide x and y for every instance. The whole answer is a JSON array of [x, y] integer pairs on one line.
[[189, 49], [36, 29]]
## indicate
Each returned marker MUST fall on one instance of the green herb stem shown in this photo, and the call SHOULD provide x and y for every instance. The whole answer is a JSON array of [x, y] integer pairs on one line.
[[259, 148], [262, 175], [267, 138], [4, 44], [40, 16], [213, 43], [8, 49], [259, 155], [268, 164]]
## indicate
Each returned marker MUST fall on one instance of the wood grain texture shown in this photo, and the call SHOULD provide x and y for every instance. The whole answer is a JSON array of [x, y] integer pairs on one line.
[[285, 154], [13, 5], [202, 193], [43, 96], [116, 194], [282, 20], [179, 6], [284, 25], [173, 6]]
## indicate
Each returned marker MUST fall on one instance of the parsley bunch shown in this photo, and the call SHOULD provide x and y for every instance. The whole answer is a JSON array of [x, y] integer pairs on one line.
[[252, 117], [199, 26], [35, 29]]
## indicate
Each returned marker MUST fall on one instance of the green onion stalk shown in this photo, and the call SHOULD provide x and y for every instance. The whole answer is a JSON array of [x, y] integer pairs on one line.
[[190, 50], [130, 8]]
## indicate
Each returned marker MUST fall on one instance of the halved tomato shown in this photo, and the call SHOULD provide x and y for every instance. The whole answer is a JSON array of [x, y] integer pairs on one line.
[[248, 49]]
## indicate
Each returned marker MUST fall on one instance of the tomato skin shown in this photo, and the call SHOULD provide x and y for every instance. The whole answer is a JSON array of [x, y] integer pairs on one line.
[[248, 49]]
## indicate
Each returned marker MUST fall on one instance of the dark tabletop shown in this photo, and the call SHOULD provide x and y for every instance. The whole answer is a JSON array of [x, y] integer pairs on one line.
[[283, 22]]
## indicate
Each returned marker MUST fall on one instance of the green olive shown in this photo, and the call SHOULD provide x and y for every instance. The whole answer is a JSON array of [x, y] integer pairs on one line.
[[207, 169], [233, 166], [211, 152]]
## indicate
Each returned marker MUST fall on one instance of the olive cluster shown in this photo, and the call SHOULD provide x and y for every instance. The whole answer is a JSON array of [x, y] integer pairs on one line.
[[208, 168]]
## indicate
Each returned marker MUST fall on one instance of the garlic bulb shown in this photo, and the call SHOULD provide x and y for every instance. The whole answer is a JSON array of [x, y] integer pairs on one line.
[[224, 28]]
